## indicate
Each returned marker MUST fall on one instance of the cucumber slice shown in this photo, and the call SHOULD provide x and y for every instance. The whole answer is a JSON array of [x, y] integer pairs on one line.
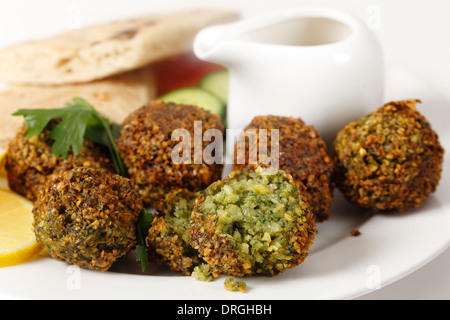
[[217, 84], [196, 97]]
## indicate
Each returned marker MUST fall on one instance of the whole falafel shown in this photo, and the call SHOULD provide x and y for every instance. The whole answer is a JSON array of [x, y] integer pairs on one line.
[[168, 237], [87, 217], [389, 160], [146, 146], [30, 162], [252, 223], [302, 153]]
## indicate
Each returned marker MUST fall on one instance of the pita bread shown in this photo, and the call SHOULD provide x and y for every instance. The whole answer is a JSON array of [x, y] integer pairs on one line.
[[108, 49], [115, 97]]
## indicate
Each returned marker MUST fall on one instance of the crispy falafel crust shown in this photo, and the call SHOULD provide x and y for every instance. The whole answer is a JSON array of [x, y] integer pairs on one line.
[[168, 237], [30, 163], [221, 250], [145, 144], [87, 217], [303, 154], [389, 160]]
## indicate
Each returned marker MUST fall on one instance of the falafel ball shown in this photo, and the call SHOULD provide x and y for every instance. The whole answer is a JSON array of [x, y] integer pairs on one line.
[[30, 162], [146, 145], [302, 153], [168, 237], [252, 223], [87, 217], [389, 160]]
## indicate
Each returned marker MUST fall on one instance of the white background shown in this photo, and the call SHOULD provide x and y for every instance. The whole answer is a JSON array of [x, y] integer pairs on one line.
[[415, 35]]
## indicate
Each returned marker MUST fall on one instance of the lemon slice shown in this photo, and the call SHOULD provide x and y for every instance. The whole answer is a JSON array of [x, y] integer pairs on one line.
[[17, 241], [2, 161]]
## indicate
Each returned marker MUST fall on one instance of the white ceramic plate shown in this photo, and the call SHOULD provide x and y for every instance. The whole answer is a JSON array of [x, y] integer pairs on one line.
[[339, 266]]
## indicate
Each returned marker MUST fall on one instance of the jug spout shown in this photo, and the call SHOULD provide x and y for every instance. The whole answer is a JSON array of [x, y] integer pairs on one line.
[[214, 44], [308, 30]]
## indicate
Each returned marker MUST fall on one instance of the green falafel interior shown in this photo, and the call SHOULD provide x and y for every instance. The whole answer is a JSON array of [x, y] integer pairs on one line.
[[253, 203], [252, 223], [168, 240]]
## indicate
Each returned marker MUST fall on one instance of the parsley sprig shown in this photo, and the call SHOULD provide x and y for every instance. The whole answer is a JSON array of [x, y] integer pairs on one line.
[[145, 222], [80, 120]]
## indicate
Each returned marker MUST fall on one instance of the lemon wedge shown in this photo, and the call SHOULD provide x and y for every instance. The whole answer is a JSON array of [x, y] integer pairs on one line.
[[17, 241], [2, 161]]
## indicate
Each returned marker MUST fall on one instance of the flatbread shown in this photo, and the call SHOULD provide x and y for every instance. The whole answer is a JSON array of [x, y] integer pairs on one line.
[[103, 50], [115, 97]]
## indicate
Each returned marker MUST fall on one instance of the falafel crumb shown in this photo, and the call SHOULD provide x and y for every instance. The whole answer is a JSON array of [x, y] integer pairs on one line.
[[355, 233], [202, 273], [231, 284]]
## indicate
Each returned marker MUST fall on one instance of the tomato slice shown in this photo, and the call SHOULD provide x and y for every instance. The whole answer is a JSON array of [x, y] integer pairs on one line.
[[182, 72]]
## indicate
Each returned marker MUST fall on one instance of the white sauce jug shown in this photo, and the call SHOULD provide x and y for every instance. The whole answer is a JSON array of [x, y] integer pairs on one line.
[[317, 63]]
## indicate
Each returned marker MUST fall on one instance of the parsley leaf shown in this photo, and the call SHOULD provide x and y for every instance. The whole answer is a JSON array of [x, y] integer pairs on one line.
[[79, 120], [69, 133], [144, 224]]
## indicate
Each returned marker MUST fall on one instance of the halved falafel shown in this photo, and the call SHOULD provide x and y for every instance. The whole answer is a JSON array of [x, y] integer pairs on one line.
[[30, 162], [252, 223], [168, 237], [302, 153], [389, 160], [87, 217], [146, 146]]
